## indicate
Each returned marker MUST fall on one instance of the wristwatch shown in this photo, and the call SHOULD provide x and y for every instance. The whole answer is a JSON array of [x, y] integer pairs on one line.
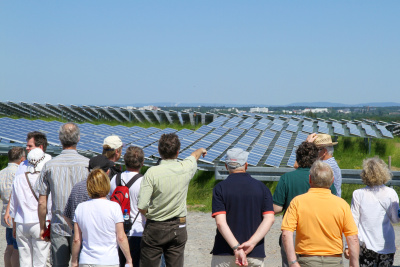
[[292, 262], [235, 247]]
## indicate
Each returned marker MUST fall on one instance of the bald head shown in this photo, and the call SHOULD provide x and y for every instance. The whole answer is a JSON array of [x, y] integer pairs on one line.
[[69, 135]]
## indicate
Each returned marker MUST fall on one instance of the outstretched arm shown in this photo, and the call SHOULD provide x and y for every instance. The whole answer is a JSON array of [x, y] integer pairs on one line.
[[226, 232], [262, 230], [198, 153]]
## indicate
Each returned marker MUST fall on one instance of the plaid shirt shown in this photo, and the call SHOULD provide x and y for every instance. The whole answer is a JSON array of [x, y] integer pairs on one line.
[[78, 195], [58, 176], [6, 181]]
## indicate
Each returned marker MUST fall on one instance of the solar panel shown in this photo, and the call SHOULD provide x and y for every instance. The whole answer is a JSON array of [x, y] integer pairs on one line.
[[308, 129], [211, 138], [276, 127], [384, 131], [301, 137], [236, 132], [276, 156], [254, 159], [245, 126], [292, 128], [261, 126], [368, 130], [353, 129], [284, 139], [292, 158], [337, 128]]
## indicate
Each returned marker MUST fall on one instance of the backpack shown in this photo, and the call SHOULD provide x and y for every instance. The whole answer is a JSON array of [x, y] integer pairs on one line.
[[121, 193]]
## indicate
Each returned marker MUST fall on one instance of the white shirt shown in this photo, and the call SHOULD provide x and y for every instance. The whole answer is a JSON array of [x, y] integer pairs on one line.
[[97, 219], [374, 208], [23, 205], [137, 227]]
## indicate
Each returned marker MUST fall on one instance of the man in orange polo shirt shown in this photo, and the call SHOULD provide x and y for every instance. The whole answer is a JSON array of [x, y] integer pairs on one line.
[[319, 219]]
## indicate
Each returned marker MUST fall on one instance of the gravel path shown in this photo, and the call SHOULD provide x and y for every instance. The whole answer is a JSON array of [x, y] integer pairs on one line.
[[201, 231]]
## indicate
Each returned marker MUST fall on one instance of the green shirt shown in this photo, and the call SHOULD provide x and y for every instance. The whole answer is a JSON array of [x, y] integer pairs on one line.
[[163, 190], [292, 184]]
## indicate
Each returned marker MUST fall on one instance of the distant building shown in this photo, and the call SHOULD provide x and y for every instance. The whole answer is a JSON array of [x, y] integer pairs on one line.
[[150, 108], [344, 111], [259, 110], [315, 110]]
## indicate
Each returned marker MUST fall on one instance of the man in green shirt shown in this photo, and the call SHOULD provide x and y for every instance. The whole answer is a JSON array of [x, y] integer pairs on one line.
[[295, 183], [162, 198]]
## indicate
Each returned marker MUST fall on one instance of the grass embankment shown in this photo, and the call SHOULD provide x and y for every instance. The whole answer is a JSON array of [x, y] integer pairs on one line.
[[349, 153]]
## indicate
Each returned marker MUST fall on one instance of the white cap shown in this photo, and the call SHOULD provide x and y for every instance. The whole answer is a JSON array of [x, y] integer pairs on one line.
[[37, 158], [113, 141], [236, 155]]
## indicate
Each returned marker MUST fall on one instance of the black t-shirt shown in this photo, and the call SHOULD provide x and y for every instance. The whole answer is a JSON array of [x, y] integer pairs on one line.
[[244, 200]]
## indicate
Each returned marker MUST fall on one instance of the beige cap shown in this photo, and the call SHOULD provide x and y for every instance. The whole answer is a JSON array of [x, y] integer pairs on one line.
[[323, 140], [113, 141]]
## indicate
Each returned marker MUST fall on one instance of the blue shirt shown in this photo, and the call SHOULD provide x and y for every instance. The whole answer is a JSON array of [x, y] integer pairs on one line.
[[244, 200]]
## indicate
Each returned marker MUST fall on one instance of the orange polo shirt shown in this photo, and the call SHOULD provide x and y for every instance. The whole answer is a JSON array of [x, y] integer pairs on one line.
[[319, 219]]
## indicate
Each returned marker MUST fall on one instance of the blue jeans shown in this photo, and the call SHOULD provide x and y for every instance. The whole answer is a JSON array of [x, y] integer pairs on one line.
[[10, 239]]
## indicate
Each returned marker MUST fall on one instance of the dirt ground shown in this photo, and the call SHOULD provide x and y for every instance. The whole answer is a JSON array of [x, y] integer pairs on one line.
[[201, 231]]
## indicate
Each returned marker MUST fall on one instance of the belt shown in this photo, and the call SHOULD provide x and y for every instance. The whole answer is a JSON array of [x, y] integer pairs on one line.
[[334, 255], [180, 219]]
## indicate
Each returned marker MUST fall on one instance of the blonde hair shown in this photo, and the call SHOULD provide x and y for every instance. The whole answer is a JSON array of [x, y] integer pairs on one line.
[[321, 174], [98, 184], [375, 172]]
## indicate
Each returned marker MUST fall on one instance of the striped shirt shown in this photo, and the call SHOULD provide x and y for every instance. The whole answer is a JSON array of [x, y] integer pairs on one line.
[[58, 176], [163, 190], [6, 180], [337, 174]]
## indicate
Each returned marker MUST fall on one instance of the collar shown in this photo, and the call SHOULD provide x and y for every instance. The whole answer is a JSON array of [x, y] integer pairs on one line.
[[303, 169], [12, 164], [319, 190], [69, 151], [168, 161]]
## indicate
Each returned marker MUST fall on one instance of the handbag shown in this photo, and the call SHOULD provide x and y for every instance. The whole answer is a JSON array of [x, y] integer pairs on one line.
[[47, 232]]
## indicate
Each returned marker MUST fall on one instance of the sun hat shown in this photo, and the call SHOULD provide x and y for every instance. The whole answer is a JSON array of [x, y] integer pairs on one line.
[[323, 140], [113, 142], [236, 155], [101, 162], [36, 160]]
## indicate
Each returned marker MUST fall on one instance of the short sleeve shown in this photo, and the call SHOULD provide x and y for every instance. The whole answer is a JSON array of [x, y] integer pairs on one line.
[[146, 190], [76, 215], [290, 219], [117, 213], [43, 182], [218, 206], [267, 206], [333, 189], [280, 195]]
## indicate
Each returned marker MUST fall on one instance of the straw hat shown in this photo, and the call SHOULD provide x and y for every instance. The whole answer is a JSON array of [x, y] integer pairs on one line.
[[323, 140]]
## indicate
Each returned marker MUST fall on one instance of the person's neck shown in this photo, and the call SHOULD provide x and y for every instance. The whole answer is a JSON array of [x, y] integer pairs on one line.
[[133, 170], [69, 147], [239, 171], [327, 156]]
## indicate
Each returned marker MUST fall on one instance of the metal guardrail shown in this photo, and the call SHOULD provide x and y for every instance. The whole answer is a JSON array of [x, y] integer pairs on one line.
[[349, 176]]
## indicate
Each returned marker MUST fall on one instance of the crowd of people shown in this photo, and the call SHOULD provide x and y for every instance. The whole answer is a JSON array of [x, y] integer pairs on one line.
[[73, 210]]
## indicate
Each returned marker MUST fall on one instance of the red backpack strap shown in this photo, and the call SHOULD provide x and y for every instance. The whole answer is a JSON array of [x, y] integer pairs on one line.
[[133, 180]]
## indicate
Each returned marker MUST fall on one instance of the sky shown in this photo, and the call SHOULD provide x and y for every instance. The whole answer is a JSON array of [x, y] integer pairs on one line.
[[259, 52]]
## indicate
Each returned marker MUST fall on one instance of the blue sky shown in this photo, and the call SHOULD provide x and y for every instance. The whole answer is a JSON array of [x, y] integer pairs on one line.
[[232, 52]]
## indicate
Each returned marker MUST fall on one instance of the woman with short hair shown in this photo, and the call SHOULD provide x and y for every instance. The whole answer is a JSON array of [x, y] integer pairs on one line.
[[375, 208], [99, 227]]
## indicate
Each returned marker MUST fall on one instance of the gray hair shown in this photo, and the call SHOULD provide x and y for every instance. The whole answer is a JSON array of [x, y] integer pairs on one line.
[[235, 166], [69, 134], [15, 154], [330, 150], [321, 174]]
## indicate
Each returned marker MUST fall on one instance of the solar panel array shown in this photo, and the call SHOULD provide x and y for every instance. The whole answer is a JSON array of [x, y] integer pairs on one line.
[[270, 140]]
